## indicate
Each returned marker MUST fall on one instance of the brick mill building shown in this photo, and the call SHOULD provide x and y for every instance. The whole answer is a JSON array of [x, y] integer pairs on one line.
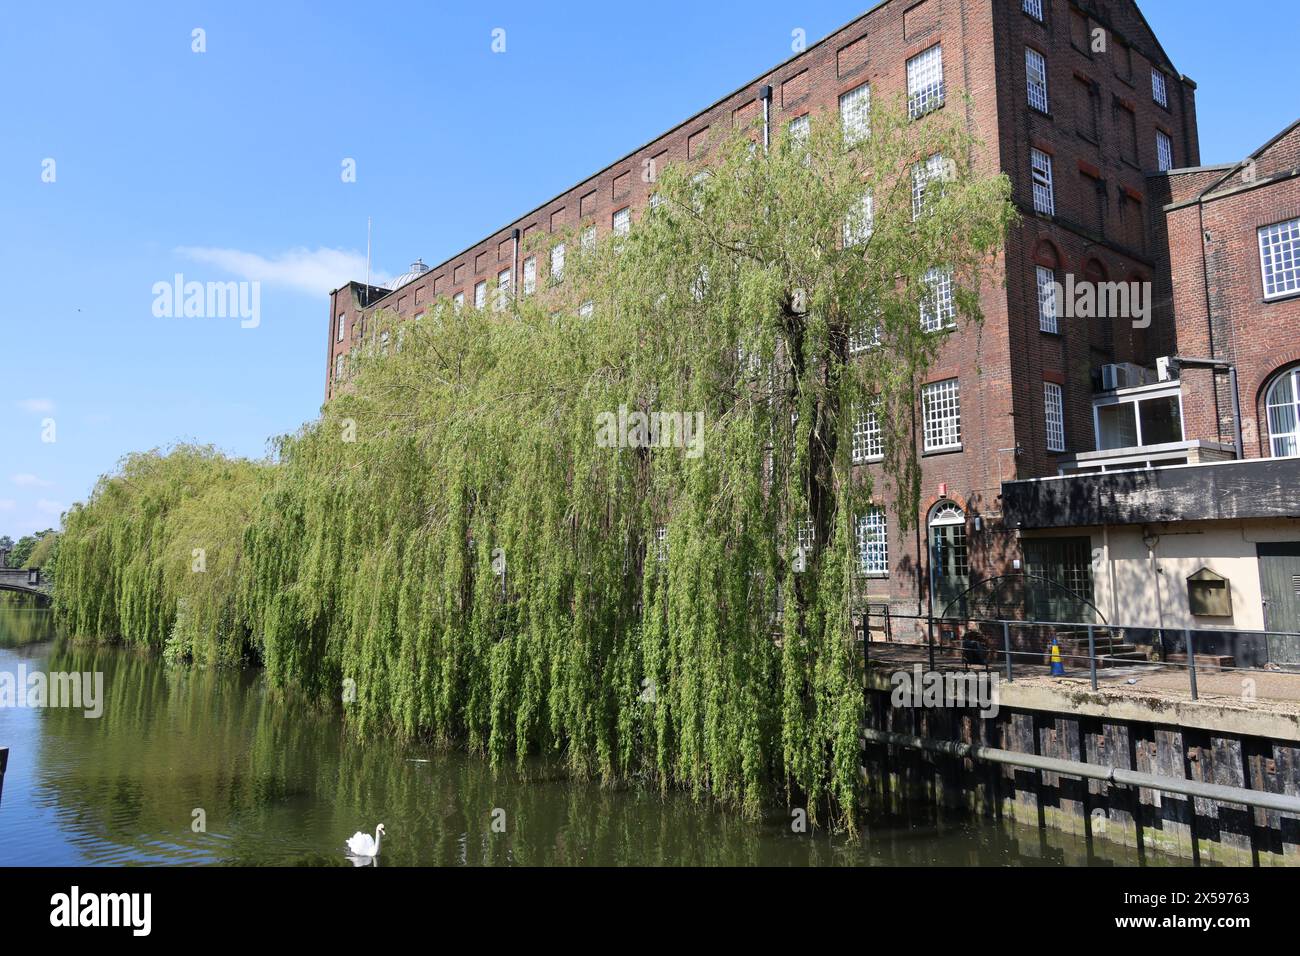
[[1081, 107]]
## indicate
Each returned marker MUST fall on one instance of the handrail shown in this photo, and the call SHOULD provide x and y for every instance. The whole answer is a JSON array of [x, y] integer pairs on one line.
[[1091, 629]]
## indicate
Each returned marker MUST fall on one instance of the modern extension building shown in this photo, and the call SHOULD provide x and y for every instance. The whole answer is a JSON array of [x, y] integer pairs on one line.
[[1190, 502], [1078, 103]]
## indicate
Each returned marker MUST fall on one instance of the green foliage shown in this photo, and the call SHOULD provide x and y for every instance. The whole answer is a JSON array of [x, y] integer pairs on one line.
[[706, 663], [152, 558], [28, 551]]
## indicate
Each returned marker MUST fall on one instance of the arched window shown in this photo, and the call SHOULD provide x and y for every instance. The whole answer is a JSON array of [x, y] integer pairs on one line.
[[949, 557], [1284, 414]]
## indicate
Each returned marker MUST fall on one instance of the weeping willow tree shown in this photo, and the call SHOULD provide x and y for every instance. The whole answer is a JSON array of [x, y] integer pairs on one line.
[[571, 523], [153, 557]]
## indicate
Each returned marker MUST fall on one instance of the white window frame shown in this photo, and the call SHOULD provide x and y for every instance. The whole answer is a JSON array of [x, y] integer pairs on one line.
[[1040, 172], [589, 238], [1036, 80], [865, 336], [557, 262], [1279, 259], [1159, 87], [873, 543], [1034, 8], [587, 309], [1054, 416], [855, 113], [480, 294], [1049, 308], [1164, 151], [938, 308], [458, 301], [860, 222], [530, 275], [1284, 443], [941, 415], [799, 128], [934, 168], [868, 440], [502, 298], [925, 89], [621, 221], [342, 327]]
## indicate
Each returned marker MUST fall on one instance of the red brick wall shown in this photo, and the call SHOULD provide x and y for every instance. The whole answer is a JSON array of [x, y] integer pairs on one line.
[[1001, 364], [1216, 270]]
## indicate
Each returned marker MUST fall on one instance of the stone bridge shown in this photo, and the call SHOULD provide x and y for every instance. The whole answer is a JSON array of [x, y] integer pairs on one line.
[[25, 581]]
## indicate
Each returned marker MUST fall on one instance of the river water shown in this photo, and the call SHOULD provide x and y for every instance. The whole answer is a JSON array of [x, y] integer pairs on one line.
[[188, 766]]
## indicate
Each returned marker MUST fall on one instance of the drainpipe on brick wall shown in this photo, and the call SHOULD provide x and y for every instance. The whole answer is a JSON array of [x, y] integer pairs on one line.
[[765, 94], [514, 266]]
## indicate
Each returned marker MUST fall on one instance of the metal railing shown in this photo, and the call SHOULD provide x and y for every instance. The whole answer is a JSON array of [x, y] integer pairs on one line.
[[996, 640]]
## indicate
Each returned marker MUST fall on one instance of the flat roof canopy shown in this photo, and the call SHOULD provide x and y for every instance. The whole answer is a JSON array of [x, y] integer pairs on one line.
[[1255, 488]]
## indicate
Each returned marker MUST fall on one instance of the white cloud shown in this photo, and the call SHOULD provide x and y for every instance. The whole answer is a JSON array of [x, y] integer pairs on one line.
[[314, 272], [29, 481], [48, 507], [7, 504], [37, 406]]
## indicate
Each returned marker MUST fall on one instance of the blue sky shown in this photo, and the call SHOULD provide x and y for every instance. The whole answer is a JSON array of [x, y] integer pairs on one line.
[[227, 164]]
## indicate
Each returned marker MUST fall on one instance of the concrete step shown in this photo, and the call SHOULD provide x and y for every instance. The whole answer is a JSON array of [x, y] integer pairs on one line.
[[1208, 663]]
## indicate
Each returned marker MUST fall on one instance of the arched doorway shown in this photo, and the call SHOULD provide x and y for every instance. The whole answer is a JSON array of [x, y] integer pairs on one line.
[[949, 554]]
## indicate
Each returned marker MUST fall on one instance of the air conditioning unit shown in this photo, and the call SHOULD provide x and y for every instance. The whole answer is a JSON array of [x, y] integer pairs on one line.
[[1124, 375]]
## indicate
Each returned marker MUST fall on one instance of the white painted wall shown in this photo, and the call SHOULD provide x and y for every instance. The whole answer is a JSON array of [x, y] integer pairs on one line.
[[1129, 590]]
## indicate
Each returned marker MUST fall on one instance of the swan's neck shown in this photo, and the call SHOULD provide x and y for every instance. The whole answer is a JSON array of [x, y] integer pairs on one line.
[[379, 835]]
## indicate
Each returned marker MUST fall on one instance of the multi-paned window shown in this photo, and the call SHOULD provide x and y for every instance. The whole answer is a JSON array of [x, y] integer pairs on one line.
[[661, 543], [1284, 415], [1164, 151], [1054, 416], [623, 221], [860, 222], [1036, 73], [530, 275], [589, 238], [1040, 171], [799, 129], [864, 335], [941, 413], [855, 113], [933, 169], [342, 327], [925, 81], [806, 534], [338, 366], [480, 294], [1034, 8], [1048, 307], [1279, 257], [938, 311], [458, 301], [873, 542], [557, 262], [1159, 88], [503, 289], [868, 441]]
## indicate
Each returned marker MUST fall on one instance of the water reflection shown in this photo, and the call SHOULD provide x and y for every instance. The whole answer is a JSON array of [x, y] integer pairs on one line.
[[275, 780]]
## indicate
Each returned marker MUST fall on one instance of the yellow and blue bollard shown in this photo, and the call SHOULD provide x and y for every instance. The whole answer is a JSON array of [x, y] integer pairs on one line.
[[1058, 665]]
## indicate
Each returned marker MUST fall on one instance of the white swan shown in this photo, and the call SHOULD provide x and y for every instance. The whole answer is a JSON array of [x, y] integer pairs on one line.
[[364, 845]]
